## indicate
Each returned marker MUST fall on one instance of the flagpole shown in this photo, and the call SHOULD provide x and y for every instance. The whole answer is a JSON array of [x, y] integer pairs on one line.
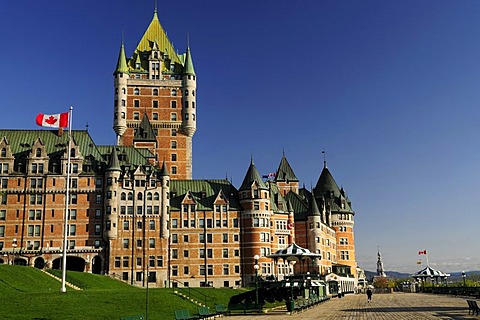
[[67, 200]]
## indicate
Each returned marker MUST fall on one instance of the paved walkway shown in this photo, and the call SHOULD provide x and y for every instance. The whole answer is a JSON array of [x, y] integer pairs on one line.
[[411, 306]]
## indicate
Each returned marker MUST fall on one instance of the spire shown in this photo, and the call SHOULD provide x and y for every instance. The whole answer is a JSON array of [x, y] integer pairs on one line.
[[122, 61], [188, 67], [113, 163], [380, 271]]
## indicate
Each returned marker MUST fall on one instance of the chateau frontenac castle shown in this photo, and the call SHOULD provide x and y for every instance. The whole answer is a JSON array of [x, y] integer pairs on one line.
[[136, 214]]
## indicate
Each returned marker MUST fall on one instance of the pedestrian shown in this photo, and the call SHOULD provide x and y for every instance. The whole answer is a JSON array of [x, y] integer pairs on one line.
[[369, 295]]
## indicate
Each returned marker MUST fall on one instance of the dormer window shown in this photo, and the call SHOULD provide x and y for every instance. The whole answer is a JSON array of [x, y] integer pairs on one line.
[[38, 152], [4, 152], [155, 55], [137, 65]]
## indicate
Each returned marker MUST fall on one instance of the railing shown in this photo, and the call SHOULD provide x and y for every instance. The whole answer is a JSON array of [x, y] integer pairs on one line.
[[193, 293], [464, 291]]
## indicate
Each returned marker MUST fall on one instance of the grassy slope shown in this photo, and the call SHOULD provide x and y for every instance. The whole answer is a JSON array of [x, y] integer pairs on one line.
[[27, 293]]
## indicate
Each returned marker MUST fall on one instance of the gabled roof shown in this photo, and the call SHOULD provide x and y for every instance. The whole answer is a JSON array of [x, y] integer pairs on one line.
[[204, 192], [285, 172], [145, 131], [252, 176]]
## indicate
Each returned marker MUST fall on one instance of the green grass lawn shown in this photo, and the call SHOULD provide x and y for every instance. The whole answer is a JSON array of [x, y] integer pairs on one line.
[[28, 293]]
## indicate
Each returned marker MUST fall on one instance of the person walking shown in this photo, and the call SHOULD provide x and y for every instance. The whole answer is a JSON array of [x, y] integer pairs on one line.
[[369, 295]]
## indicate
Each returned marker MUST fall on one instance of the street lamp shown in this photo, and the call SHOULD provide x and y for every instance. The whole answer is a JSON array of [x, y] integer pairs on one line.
[[14, 245], [256, 266], [464, 276]]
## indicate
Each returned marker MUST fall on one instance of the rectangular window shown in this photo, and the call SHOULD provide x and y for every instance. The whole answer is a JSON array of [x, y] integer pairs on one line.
[[174, 238], [151, 243], [225, 238]]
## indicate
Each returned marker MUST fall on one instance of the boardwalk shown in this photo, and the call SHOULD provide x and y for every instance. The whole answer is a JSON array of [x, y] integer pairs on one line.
[[411, 306]]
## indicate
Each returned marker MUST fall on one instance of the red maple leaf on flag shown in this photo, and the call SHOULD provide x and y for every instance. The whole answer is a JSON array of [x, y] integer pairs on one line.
[[51, 120]]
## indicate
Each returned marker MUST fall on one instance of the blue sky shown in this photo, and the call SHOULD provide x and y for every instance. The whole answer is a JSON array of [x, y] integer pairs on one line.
[[388, 88]]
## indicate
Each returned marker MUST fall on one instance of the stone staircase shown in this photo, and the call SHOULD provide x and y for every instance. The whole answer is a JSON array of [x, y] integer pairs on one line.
[[68, 284], [184, 296]]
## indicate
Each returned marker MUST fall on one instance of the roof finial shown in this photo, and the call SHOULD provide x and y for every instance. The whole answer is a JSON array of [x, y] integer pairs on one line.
[[155, 6], [188, 39], [324, 158]]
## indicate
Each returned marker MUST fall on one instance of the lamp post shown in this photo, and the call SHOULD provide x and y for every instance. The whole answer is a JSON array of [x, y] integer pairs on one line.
[[256, 266], [464, 276], [14, 245]]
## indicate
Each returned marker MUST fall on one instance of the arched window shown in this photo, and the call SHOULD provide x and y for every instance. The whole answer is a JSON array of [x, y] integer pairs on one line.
[[193, 93], [186, 92], [123, 90], [174, 92], [156, 196], [155, 92], [123, 196], [136, 91], [38, 152], [72, 152], [139, 196], [4, 152], [130, 196], [123, 115], [149, 196]]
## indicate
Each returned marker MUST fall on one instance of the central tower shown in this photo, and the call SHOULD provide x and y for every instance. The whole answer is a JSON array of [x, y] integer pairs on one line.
[[154, 105]]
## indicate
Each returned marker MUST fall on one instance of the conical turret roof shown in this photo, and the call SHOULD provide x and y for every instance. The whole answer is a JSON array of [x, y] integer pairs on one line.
[[314, 211], [122, 61], [252, 176], [326, 183], [113, 163], [164, 171], [188, 67]]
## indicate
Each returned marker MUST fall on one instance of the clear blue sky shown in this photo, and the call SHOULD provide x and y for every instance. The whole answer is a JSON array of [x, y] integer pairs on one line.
[[390, 89]]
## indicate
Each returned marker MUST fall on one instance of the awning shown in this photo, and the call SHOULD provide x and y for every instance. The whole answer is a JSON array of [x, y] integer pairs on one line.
[[317, 284]]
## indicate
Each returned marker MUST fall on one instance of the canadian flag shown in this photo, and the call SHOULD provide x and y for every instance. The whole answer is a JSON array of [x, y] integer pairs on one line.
[[422, 252], [59, 120]]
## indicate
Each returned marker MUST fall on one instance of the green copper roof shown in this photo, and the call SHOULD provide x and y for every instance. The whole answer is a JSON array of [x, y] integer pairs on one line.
[[188, 66], [298, 204], [122, 61], [252, 176], [285, 172], [155, 33], [127, 155], [22, 141], [204, 193]]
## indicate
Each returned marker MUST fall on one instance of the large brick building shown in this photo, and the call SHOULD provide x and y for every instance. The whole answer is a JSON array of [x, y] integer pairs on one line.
[[134, 211]]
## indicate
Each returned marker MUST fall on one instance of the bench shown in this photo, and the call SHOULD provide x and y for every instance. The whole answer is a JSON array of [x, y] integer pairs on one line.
[[204, 312], [221, 309], [473, 307], [183, 314]]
